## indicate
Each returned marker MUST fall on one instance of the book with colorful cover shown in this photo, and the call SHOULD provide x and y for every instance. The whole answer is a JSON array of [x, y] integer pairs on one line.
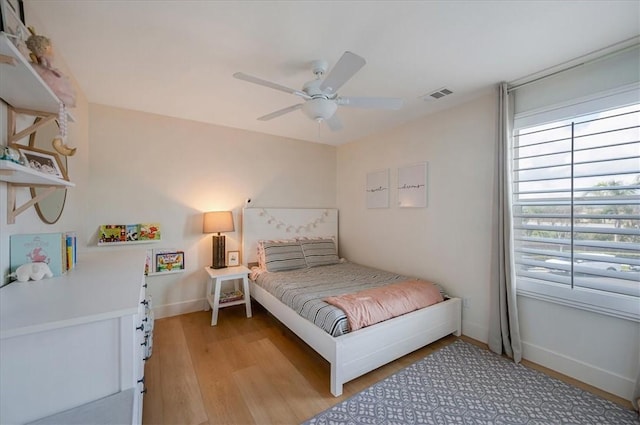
[[148, 263], [112, 233], [149, 232], [169, 261], [49, 248], [227, 297], [72, 250], [132, 232]]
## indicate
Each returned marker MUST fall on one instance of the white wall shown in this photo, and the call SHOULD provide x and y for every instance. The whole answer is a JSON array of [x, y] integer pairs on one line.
[[449, 242], [151, 168]]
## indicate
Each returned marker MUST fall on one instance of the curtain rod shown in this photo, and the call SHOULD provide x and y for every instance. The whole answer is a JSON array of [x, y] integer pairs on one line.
[[636, 42]]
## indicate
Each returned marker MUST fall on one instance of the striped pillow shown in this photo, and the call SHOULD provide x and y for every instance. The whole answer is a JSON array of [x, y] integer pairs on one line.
[[280, 256], [319, 252], [261, 243]]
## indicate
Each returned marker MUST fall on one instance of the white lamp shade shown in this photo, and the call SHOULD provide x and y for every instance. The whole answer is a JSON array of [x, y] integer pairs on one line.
[[218, 221]]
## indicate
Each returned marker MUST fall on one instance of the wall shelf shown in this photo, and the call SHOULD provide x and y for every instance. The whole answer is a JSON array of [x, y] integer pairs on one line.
[[25, 92], [152, 274], [20, 85], [17, 175], [128, 242], [21, 175]]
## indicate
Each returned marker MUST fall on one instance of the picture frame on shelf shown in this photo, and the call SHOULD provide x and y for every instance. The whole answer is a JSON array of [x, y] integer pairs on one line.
[[12, 22], [233, 258], [17, 6], [43, 161]]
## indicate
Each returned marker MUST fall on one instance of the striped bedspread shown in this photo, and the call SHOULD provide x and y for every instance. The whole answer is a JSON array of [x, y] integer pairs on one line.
[[304, 290]]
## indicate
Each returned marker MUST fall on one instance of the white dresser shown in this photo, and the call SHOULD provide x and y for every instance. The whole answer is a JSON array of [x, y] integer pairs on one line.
[[75, 339]]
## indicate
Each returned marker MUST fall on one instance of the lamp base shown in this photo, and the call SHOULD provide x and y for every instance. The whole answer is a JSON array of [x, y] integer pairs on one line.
[[218, 260]]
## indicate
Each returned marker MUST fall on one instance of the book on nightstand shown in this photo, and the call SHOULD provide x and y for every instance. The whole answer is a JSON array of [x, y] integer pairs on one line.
[[227, 297]]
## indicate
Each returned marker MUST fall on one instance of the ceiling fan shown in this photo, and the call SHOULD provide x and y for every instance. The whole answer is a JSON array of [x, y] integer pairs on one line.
[[320, 95]]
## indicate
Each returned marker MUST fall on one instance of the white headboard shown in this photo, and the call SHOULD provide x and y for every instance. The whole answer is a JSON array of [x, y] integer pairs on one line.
[[284, 223]]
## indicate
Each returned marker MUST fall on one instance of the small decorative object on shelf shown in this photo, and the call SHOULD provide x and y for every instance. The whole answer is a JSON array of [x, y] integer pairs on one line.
[[59, 142], [11, 154], [233, 258], [42, 58], [43, 161], [112, 234], [12, 23]]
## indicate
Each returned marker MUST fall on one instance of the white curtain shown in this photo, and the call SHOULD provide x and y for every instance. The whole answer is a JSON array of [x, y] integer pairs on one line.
[[635, 400], [504, 330]]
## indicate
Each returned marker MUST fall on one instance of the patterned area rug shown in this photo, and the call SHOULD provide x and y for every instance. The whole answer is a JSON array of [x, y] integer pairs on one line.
[[465, 384]]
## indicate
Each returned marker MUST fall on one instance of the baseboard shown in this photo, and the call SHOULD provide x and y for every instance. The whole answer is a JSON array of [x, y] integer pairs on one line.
[[603, 379], [473, 330], [176, 309]]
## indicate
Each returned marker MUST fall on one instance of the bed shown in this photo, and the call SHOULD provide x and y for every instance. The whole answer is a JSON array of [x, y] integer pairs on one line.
[[355, 353]]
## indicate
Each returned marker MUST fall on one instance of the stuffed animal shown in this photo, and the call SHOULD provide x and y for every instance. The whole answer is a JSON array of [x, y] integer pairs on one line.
[[33, 271], [42, 57]]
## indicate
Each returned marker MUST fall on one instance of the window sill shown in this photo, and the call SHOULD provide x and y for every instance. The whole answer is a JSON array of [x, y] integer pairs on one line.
[[615, 305]]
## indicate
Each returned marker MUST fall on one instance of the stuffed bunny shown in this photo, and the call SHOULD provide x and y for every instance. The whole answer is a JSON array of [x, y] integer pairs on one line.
[[33, 271]]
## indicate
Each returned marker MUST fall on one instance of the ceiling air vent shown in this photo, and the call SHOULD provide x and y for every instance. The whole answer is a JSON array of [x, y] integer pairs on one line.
[[436, 94]]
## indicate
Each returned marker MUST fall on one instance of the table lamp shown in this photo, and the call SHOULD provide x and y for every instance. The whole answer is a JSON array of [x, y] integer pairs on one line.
[[216, 222]]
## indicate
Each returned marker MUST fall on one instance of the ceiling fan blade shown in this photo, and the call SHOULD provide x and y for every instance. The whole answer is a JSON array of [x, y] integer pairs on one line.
[[347, 66], [261, 82], [371, 102], [280, 112], [334, 123]]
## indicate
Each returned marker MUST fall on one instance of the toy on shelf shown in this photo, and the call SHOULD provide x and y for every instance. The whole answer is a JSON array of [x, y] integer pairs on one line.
[[42, 58], [33, 271]]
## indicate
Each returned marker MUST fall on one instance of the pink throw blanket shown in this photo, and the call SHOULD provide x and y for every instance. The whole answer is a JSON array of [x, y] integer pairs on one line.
[[371, 306]]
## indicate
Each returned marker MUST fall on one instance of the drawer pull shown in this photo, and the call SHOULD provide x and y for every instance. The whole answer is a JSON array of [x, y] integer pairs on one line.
[[140, 328], [144, 390], [145, 358], [144, 302], [141, 380], [144, 286]]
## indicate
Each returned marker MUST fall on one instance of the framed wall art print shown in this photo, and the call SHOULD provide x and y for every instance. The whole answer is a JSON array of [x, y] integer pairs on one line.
[[377, 190], [412, 186]]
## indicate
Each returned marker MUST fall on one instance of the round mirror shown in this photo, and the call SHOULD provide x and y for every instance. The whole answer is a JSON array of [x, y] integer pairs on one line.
[[50, 208]]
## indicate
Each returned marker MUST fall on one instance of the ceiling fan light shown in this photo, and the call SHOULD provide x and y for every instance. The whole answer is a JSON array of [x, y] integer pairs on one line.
[[319, 109]]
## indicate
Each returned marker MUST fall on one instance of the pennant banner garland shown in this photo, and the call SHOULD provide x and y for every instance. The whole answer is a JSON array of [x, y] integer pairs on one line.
[[280, 224]]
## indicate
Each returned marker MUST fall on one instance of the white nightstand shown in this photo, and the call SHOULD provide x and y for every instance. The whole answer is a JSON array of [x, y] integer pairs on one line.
[[216, 277]]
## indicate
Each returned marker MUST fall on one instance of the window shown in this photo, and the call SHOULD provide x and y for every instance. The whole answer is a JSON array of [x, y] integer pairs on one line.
[[576, 211]]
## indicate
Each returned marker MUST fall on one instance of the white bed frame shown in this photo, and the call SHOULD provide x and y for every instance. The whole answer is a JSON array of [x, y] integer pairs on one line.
[[356, 353]]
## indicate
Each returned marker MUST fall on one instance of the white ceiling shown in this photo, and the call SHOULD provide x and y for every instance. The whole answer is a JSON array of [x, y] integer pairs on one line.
[[177, 58]]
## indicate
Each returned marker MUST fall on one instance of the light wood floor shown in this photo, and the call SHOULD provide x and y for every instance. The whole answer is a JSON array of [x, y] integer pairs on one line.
[[249, 371]]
